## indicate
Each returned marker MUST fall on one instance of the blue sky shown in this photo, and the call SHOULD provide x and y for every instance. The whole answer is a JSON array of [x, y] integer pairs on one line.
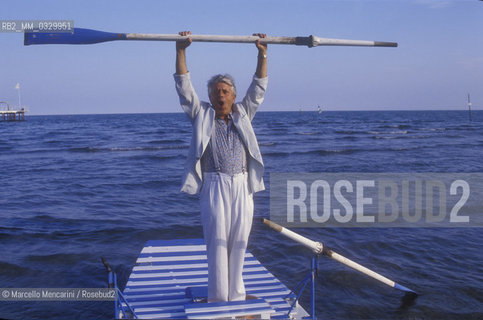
[[439, 59]]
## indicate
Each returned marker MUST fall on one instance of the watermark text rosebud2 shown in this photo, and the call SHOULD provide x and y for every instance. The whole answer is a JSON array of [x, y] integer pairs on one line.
[[377, 199]]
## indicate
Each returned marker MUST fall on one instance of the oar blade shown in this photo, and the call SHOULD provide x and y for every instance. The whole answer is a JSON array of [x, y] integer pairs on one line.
[[79, 36], [408, 299], [403, 288]]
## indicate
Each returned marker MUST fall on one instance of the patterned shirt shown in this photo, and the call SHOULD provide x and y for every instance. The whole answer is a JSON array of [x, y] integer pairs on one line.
[[231, 154]]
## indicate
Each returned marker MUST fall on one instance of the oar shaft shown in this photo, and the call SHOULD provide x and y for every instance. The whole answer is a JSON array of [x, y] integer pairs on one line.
[[354, 265], [318, 247], [210, 38]]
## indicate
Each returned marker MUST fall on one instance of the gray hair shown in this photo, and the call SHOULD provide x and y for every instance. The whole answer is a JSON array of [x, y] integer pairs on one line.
[[225, 78]]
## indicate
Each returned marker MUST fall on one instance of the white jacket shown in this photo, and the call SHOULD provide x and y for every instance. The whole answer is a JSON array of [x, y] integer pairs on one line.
[[202, 116]]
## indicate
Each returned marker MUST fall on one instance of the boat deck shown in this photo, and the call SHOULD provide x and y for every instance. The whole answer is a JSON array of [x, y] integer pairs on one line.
[[171, 276]]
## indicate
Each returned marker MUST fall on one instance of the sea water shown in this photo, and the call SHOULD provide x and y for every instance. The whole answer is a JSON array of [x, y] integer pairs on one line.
[[77, 188]]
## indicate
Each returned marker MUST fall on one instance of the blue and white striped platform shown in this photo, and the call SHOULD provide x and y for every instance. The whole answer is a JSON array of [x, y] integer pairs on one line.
[[165, 269]]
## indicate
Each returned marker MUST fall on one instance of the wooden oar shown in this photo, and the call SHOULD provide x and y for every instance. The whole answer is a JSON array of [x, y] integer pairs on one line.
[[319, 248], [88, 36]]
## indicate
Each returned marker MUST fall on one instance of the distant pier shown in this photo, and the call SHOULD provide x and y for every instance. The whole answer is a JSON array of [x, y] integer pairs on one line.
[[12, 115]]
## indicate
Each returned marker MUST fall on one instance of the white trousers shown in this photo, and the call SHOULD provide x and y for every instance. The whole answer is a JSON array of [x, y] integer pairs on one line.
[[226, 215]]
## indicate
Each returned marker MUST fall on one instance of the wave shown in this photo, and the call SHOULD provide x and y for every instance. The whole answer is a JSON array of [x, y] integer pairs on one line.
[[465, 128], [6, 234], [370, 132], [10, 228], [54, 142], [320, 152], [352, 132], [125, 149], [89, 232], [396, 126], [432, 129], [266, 144], [324, 152], [276, 154], [74, 221], [350, 138], [13, 270], [5, 148], [388, 137], [389, 132], [40, 151], [307, 133], [167, 141], [58, 258], [104, 149], [157, 157]]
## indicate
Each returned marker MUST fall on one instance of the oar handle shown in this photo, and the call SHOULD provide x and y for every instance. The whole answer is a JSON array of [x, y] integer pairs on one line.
[[316, 247]]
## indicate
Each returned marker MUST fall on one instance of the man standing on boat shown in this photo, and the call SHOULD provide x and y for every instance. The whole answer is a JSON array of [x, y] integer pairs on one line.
[[224, 166]]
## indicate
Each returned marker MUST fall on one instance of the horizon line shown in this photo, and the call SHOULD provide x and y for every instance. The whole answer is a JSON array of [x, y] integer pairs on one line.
[[261, 111]]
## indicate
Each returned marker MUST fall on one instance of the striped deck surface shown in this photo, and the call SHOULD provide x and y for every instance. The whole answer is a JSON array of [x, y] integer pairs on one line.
[[165, 269], [230, 309]]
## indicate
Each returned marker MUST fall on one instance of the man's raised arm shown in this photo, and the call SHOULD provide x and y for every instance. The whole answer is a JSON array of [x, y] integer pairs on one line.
[[181, 46], [262, 57]]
